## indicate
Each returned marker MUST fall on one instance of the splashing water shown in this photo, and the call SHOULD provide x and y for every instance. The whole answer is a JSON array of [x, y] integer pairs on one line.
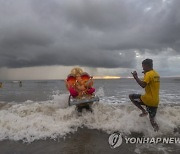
[[33, 120]]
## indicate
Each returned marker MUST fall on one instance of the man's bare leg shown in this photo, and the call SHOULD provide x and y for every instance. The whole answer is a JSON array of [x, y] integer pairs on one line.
[[144, 113], [154, 124]]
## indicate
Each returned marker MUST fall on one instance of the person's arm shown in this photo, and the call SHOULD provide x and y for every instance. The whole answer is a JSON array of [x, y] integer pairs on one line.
[[141, 83]]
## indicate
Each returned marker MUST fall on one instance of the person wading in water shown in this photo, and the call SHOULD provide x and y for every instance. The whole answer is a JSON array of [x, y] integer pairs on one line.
[[150, 99]]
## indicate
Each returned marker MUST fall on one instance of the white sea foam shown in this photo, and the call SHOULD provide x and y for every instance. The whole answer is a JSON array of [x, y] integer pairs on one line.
[[31, 121]]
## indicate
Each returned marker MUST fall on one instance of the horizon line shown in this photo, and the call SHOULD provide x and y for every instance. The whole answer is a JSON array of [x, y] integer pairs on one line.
[[94, 77]]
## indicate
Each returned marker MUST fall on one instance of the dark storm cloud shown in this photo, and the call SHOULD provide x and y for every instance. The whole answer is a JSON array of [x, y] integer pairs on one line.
[[102, 33]]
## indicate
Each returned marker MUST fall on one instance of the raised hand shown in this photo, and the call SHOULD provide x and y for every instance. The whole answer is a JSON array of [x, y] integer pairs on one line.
[[134, 73]]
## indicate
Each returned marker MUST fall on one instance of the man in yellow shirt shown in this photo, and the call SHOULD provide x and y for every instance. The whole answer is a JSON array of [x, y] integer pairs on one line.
[[150, 99]]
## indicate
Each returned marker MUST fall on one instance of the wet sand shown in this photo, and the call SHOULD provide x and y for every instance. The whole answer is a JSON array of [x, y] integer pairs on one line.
[[84, 141]]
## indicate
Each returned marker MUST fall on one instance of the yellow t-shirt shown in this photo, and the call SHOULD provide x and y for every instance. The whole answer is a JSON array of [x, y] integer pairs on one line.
[[151, 96]]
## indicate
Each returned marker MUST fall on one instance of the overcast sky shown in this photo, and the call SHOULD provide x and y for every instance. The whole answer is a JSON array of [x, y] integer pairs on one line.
[[44, 39]]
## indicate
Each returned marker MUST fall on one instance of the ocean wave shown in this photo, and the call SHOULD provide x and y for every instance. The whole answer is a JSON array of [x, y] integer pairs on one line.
[[30, 120]]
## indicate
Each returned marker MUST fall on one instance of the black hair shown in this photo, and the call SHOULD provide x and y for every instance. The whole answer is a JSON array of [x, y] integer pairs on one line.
[[148, 62]]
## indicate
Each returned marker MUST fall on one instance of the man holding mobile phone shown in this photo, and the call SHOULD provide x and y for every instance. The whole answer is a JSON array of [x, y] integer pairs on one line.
[[150, 99]]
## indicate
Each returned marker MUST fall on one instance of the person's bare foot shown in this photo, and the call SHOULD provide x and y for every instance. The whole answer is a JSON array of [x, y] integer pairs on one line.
[[156, 127], [143, 114], [154, 124]]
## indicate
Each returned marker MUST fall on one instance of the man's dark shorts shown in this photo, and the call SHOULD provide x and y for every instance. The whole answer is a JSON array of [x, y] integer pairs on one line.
[[151, 110]]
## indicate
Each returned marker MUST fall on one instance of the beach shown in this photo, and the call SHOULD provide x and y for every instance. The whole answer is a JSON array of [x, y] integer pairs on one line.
[[84, 141], [36, 118]]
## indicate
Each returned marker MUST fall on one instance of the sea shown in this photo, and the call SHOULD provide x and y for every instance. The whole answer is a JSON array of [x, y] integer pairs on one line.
[[35, 118]]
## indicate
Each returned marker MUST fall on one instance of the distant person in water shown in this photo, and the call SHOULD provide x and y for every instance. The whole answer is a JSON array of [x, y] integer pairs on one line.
[[150, 99], [1, 84], [20, 83]]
